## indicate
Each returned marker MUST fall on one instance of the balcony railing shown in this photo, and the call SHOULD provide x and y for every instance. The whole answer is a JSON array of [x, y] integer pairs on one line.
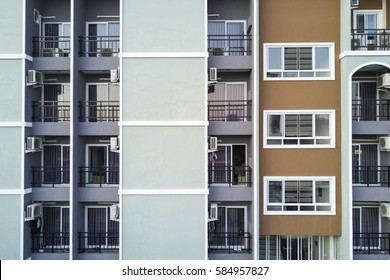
[[230, 176], [98, 176], [229, 45], [371, 243], [99, 111], [51, 46], [50, 111], [230, 242], [49, 176], [99, 46], [98, 242], [52, 242], [232, 110], [370, 39], [371, 110], [371, 176]]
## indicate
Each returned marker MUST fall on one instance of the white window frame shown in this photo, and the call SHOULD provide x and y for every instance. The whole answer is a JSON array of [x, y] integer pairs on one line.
[[331, 137], [61, 224], [378, 13], [107, 99], [332, 196], [331, 69], [62, 162]]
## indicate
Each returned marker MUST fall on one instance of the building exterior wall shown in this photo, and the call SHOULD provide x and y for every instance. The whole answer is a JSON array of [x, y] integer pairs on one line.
[[289, 24]]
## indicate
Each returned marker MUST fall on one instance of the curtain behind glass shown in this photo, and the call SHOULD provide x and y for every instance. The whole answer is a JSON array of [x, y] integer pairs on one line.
[[52, 164], [96, 226], [50, 105], [368, 101], [235, 33]]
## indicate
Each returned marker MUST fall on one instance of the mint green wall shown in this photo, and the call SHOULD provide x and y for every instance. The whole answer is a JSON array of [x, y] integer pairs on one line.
[[163, 158], [169, 227], [10, 90], [10, 232], [11, 22], [164, 89], [10, 157], [164, 26]]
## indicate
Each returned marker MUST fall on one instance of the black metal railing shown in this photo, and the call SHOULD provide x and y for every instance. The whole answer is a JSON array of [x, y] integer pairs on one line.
[[371, 243], [230, 242], [50, 111], [98, 176], [52, 242], [229, 45], [98, 242], [232, 110], [49, 176], [371, 175], [230, 175], [371, 110], [370, 39], [99, 111], [99, 46], [51, 46]]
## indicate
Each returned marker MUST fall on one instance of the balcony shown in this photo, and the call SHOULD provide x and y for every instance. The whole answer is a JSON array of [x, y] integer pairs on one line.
[[229, 111], [370, 39], [371, 110], [98, 242], [371, 243], [230, 176], [53, 242], [50, 176], [99, 176], [51, 46], [371, 176], [50, 111], [230, 242], [229, 45], [99, 111], [99, 46]]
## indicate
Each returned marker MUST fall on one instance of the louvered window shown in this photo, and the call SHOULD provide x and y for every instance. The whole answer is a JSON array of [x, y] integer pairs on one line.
[[299, 61], [299, 194], [299, 129]]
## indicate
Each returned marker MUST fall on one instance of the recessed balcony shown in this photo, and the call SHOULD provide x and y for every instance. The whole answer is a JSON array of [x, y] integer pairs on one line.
[[370, 39], [99, 46], [371, 244]]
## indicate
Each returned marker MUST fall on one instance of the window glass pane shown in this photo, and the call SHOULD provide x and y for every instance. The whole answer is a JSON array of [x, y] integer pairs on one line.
[[305, 192], [291, 192], [275, 58], [322, 58], [275, 125], [275, 191], [305, 59], [322, 192], [291, 58], [322, 124]]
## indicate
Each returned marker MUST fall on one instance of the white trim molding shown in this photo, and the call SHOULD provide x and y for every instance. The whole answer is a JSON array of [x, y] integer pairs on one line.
[[163, 192]]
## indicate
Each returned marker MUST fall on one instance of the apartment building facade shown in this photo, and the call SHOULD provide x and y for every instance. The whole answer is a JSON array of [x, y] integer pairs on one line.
[[235, 129]]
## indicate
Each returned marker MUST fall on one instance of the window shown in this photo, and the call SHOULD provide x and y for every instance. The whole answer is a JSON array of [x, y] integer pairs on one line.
[[299, 195], [227, 37], [366, 227], [56, 226], [103, 38], [102, 165], [299, 61], [299, 129], [100, 230], [55, 105], [102, 103], [56, 160]]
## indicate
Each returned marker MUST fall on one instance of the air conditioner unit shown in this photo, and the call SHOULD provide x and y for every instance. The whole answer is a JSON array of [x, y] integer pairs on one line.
[[354, 3], [385, 210], [213, 74], [384, 143], [114, 144], [34, 211], [213, 212], [213, 143], [34, 144], [114, 212], [35, 77], [114, 75], [383, 81]]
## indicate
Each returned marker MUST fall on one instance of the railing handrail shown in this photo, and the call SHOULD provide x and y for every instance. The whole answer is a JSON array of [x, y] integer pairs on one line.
[[230, 110], [106, 175], [50, 176], [100, 241], [50, 111], [371, 175], [54, 242], [230, 241], [97, 111], [371, 242], [371, 110], [222, 44], [370, 39], [230, 175]]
